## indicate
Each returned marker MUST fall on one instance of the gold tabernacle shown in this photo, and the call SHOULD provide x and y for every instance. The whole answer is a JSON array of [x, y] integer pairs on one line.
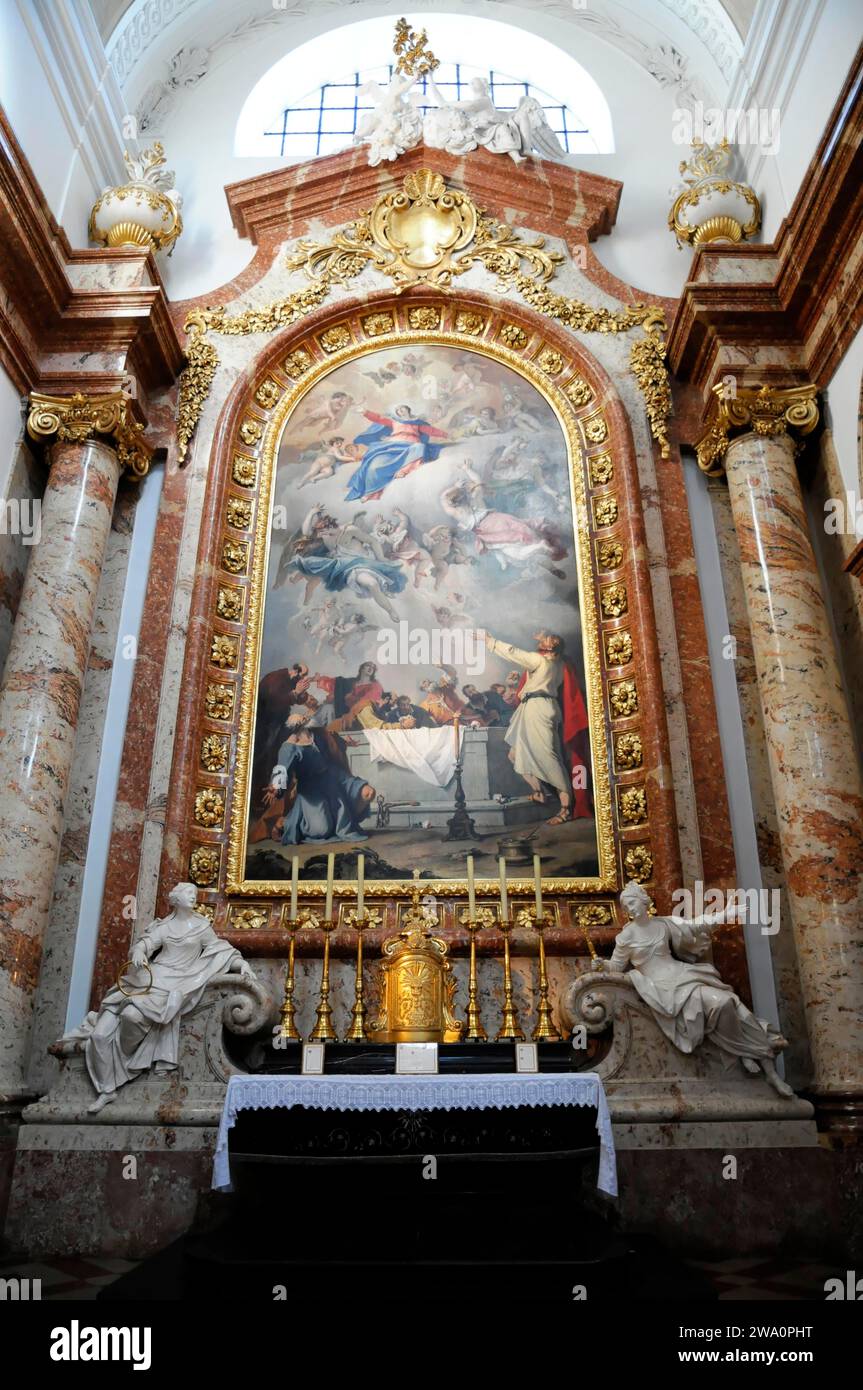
[[417, 987]]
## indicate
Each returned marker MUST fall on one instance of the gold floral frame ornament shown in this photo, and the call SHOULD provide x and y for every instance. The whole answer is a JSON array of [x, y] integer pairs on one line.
[[227, 694], [426, 233]]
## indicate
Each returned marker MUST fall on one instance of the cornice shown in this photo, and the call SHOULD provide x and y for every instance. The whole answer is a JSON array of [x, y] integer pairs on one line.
[[549, 197], [803, 292], [50, 310]]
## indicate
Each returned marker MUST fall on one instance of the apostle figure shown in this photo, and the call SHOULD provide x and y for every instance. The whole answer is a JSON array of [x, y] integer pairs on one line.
[[689, 999], [137, 1027], [397, 444], [324, 801], [544, 736]]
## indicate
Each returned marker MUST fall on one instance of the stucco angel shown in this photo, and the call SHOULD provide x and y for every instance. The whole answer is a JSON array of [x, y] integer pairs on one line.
[[395, 125]]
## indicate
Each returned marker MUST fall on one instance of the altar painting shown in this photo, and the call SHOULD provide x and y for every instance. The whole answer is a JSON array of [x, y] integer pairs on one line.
[[421, 631]]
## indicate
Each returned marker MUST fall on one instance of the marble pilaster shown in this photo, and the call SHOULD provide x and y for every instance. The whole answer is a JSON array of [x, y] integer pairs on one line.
[[812, 757], [41, 692]]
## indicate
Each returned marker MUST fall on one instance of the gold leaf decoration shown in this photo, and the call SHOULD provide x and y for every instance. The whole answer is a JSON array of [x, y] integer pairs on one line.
[[244, 471], [235, 556], [251, 431], [335, 338], [638, 863], [296, 364], [229, 603], [268, 393], [613, 600], [609, 555], [376, 324], [513, 336], [595, 428], [623, 696], [605, 510], [633, 805], [618, 648], [628, 751], [466, 321], [219, 702], [601, 469], [196, 378], [249, 918], [239, 513], [204, 865], [210, 807], [578, 392], [224, 651], [214, 752], [424, 317], [647, 360]]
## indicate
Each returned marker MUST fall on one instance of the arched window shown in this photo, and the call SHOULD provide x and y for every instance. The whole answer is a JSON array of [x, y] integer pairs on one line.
[[309, 102]]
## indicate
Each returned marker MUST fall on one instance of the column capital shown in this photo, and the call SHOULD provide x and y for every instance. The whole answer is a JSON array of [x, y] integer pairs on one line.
[[76, 418], [762, 410]]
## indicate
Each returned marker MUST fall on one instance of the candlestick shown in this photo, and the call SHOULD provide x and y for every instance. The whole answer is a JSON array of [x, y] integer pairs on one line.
[[360, 921], [475, 1031], [504, 903], [328, 910], [295, 871], [361, 876], [545, 1030], [471, 896], [323, 1030], [510, 1026], [537, 879], [288, 1027]]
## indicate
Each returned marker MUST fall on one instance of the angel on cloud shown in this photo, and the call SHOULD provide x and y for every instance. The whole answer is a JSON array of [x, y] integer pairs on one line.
[[395, 125], [460, 126]]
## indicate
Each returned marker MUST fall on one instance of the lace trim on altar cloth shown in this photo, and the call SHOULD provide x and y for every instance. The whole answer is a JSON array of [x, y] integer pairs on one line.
[[499, 1091]]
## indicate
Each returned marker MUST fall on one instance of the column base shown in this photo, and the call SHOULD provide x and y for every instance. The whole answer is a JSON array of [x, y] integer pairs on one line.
[[839, 1113]]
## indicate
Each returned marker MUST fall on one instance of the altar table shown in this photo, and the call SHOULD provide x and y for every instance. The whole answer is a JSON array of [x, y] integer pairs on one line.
[[496, 1091]]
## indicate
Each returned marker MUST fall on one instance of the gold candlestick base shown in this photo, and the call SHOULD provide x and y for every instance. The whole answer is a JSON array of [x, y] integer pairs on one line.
[[545, 1030], [510, 1026], [288, 1026], [323, 1030], [360, 921], [475, 1031]]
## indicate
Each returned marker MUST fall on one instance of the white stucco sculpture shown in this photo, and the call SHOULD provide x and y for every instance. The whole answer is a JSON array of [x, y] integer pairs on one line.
[[460, 126], [688, 998], [139, 1029], [395, 125]]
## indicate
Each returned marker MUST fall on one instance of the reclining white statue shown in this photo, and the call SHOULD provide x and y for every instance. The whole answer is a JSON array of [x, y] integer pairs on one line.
[[137, 1027], [689, 999]]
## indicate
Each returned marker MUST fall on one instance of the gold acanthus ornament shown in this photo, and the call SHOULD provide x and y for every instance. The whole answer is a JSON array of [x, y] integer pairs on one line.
[[144, 211], [763, 410], [711, 207], [76, 418], [428, 234]]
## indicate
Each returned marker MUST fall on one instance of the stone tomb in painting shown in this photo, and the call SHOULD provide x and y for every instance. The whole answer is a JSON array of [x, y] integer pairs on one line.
[[495, 794]]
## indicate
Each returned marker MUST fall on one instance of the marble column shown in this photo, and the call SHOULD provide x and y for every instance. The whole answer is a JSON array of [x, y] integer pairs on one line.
[[814, 769], [42, 685]]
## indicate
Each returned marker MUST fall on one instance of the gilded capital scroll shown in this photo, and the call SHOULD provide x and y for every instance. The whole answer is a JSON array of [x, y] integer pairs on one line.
[[76, 418], [764, 410]]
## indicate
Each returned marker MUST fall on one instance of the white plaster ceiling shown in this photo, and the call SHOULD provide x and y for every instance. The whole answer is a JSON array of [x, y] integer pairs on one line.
[[691, 46]]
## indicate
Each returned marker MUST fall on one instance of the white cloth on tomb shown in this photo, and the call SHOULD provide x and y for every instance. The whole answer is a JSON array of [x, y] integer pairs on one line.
[[428, 753], [492, 1091]]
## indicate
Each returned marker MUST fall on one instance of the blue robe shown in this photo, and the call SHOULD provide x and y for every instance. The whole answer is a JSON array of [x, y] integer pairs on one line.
[[384, 457], [327, 798], [336, 570]]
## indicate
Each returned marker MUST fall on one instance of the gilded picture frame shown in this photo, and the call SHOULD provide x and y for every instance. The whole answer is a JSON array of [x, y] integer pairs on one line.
[[219, 821]]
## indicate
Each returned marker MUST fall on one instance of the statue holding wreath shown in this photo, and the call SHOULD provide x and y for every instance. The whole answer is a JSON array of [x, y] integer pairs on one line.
[[137, 1026]]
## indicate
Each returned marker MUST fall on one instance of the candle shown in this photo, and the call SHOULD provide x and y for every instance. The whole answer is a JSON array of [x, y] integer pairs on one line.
[[504, 905], [328, 911], [361, 873], [455, 737], [537, 878], [295, 869], [471, 898]]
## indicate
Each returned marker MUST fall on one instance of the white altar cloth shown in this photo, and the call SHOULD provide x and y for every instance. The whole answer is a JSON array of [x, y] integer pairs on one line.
[[492, 1091]]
